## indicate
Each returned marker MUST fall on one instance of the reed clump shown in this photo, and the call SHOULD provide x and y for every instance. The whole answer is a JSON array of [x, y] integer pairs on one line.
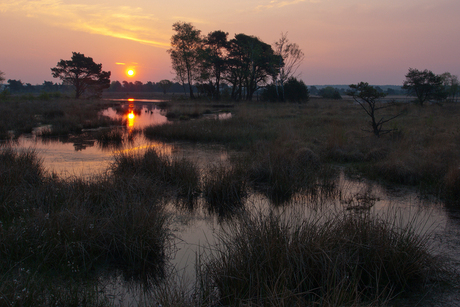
[[266, 260], [281, 170], [180, 174], [76, 227], [225, 188]]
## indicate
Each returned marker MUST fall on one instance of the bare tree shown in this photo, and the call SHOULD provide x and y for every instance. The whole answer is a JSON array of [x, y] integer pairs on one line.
[[291, 56], [368, 98], [2, 77]]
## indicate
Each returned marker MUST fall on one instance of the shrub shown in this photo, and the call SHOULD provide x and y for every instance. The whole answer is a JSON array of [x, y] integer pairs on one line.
[[330, 93], [293, 90]]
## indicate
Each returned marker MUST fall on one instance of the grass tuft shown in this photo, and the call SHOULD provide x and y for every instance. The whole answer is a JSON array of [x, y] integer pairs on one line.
[[335, 261]]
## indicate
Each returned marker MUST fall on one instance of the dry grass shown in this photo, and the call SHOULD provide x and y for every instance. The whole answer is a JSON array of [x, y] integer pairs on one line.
[[180, 175], [65, 115], [268, 260], [74, 228]]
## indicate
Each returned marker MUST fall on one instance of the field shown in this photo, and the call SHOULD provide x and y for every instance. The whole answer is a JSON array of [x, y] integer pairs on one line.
[[59, 235]]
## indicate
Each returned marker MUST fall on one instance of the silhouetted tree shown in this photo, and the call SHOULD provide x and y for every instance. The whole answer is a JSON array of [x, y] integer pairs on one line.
[[291, 56], [2, 77], [128, 86], [138, 86], [329, 92], [250, 63], [313, 90], [149, 86], [451, 85], [184, 52], [425, 85], [165, 85], [214, 52], [296, 90], [368, 98], [15, 86], [83, 73], [115, 86]]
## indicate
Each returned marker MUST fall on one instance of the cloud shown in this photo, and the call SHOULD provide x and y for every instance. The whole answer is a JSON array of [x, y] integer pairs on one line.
[[279, 4], [124, 22]]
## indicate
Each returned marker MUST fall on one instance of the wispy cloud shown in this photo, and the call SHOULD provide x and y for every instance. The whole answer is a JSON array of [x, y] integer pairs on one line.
[[124, 22], [278, 4]]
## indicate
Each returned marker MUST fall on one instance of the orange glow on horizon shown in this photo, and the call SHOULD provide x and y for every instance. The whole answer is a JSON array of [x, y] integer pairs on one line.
[[130, 100]]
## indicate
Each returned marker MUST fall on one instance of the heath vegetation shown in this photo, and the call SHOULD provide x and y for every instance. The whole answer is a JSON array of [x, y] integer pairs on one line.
[[56, 229]]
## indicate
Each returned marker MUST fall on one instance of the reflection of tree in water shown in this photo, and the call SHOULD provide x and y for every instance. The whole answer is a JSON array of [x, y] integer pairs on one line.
[[80, 142]]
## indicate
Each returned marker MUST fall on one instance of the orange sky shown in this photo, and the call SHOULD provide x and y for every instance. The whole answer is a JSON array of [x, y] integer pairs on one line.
[[344, 41]]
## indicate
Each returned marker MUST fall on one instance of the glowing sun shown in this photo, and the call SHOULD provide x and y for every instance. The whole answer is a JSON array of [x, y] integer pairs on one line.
[[130, 72]]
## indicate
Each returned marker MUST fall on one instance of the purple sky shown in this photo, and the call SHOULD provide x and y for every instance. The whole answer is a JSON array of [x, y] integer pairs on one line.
[[344, 41]]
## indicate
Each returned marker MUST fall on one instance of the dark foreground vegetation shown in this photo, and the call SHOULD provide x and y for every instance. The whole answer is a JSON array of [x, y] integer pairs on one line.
[[59, 235]]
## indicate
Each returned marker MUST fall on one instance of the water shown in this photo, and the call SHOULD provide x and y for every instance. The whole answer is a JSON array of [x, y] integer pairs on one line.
[[195, 229]]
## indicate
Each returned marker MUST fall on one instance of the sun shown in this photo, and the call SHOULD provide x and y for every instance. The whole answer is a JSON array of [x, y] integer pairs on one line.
[[130, 72]]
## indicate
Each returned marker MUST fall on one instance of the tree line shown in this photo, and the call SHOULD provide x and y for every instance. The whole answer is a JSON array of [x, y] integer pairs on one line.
[[245, 63]]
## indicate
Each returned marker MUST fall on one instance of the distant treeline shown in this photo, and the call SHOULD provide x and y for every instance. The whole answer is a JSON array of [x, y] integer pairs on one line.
[[17, 86]]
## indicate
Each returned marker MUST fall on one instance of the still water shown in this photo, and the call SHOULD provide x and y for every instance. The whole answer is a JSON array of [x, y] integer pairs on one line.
[[195, 230]]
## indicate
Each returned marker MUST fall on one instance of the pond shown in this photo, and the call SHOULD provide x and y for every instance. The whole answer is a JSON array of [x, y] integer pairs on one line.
[[195, 229]]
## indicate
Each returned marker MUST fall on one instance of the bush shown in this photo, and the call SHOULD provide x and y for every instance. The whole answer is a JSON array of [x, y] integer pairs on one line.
[[330, 93], [294, 91]]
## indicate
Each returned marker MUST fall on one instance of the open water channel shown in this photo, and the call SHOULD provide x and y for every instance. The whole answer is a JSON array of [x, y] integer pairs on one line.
[[194, 230]]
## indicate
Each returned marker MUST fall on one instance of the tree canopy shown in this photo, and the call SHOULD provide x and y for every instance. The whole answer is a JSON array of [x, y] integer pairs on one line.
[[245, 61], [184, 52], [425, 85], [451, 85], [84, 74]]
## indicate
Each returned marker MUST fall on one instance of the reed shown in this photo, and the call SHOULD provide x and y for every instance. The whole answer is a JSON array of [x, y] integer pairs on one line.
[[180, 174], [266, 260], [225, 189], [281, 170], [76, 227]]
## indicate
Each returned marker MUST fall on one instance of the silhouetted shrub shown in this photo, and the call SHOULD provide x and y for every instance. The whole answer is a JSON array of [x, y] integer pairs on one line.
[[329, 92]]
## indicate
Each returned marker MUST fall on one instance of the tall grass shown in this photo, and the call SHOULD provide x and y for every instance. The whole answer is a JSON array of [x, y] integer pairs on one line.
[[225, 188], [76, 227], [270, 260], [180, 174], [64, 115], [281, 170]]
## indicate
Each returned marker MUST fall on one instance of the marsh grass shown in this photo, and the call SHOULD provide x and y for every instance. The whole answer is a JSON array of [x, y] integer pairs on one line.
[[225, 189], [180, 174], [237, 131], [65, 115], [266, 260], [281, 170], [74, 227]]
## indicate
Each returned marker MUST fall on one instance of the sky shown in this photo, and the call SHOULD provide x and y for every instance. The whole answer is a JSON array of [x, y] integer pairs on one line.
[[344, 41]]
